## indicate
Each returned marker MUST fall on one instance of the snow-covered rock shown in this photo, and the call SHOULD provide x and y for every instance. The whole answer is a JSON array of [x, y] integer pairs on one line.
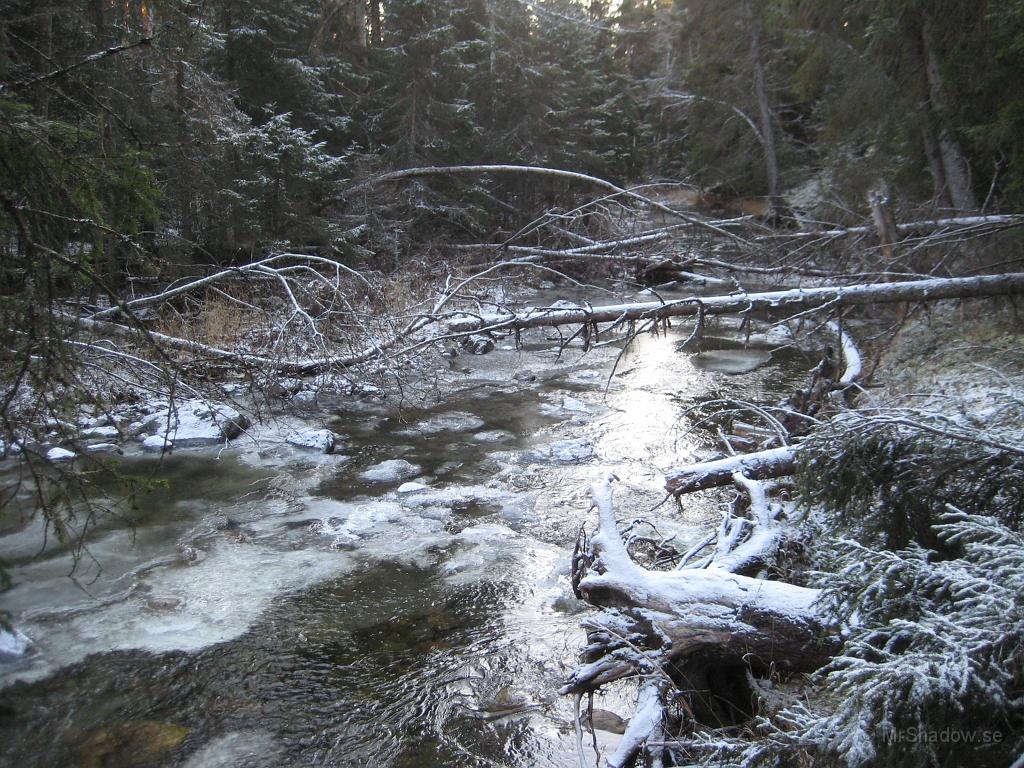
[[322, 440], [494, 436], [60, 454], [103, 448], [410, 488], [732, 361], [390, 471], [13, 644], [156, 444], [194, 423], [100, 433]]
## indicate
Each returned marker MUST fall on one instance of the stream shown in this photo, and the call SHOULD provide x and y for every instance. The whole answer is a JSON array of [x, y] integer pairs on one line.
[[265, 606]]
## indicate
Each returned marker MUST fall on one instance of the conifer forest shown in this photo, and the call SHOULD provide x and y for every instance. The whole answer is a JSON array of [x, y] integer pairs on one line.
[[519, 383]]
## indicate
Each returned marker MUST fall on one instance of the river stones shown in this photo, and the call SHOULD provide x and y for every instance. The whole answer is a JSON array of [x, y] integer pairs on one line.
[[60, 454], [391, 471], [453, 421], [494, 436], [732, 361], [322, 440], [132, 743], [191, 424]]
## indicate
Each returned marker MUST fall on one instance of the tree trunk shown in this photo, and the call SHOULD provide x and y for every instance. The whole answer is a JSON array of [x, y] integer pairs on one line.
[[797, 298], [881, 212], [763, 465], [931, 152], [766, 118], [954, 162]]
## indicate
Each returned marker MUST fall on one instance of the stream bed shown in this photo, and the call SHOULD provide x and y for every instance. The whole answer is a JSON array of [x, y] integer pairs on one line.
[[404, 601]]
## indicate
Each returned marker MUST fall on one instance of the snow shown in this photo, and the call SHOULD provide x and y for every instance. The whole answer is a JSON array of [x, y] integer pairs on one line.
[[192, 424], [102, 448], [494, 436], [13, 644], [322, 440], [60, 454], [100, 433], [411, 488], [156, 444], [391, 471]]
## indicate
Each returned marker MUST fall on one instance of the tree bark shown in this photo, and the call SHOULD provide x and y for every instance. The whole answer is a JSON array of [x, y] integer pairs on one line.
[[762, 465], [797, 298], [766, 117], [954, 161]]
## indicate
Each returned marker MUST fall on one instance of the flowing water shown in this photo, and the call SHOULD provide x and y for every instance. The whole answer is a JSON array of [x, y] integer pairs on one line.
[[268, 607]]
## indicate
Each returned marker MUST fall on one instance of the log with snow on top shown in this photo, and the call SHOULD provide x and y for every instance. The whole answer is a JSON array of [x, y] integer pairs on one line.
[[687, 627], [761, 465], [797, 298]]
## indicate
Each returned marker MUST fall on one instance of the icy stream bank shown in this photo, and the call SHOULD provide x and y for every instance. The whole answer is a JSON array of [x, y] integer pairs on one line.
[[402, 601]]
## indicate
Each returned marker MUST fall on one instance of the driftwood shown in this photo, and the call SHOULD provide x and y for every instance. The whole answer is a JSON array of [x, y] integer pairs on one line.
[[698, 631], [797, 298], [762, 465]]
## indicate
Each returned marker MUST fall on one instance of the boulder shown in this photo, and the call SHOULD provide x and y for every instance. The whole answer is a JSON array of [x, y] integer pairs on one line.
[[390, 471], [193, 424], [322, 440]]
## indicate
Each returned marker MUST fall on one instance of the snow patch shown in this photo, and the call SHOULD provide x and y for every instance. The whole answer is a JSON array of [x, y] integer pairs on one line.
[[391, 471]]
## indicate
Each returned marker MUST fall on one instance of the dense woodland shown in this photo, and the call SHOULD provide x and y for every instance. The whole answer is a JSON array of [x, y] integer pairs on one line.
[[292, 187], [147, 133]]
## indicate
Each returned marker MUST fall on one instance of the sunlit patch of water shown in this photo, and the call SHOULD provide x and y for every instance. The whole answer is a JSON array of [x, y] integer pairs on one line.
[[286, 610]]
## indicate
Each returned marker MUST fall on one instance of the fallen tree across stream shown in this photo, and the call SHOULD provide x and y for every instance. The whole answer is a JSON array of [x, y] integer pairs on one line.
[[736, 303]]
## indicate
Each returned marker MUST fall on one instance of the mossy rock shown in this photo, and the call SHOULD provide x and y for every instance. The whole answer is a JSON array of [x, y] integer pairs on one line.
[[131, 744]]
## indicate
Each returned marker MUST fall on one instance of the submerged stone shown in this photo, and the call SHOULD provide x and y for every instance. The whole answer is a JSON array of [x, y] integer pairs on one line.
[[732, 361]]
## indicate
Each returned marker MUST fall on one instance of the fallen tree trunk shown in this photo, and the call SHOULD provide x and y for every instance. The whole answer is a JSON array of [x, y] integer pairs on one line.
[[476, 170], [866, 293], [762, 465], [958, 222], [707, 613]]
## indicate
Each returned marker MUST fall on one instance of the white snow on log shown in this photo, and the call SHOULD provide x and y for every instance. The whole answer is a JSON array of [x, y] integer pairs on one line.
[[712, 599], [390, 471], [851, 355], [60, 454], [646, 722], [775, 462], [913, 290]]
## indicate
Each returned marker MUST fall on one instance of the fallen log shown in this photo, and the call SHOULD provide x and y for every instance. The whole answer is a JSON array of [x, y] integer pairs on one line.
[[734, 303], [762, 465], [687, 627]]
